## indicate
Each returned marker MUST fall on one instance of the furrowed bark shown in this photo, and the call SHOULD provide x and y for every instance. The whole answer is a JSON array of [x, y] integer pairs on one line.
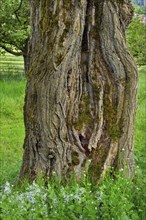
[[81, 89]]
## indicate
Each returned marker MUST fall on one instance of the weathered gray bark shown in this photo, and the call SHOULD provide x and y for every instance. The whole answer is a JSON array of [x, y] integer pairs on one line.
[[81, 89]]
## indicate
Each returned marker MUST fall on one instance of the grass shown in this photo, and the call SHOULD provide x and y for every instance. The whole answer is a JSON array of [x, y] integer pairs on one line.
[[120, 199], [10, 64], [123, 199], [12, 88], [140, 132]]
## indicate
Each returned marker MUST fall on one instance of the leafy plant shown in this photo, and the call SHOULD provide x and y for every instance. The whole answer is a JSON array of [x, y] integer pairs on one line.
[[119, 199]]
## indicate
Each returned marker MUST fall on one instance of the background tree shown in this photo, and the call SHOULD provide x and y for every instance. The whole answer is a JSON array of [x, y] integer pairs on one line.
[[139, 3], [136, 38], [15, 28], [81, 89]]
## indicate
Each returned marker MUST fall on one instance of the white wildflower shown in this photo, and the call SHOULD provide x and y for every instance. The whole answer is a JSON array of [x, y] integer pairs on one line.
[[7, 188]]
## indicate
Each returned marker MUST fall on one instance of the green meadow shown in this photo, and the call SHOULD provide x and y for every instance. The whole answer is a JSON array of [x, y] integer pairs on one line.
[[120, 199], [12, 88], [140, 130]]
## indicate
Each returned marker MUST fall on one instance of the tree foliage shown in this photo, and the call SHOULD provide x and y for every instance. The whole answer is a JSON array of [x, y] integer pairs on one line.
[[138, 9], [136, 39], [14, 25]]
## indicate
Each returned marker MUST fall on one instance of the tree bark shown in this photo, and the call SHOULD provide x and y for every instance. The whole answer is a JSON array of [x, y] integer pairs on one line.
[[81, 91]]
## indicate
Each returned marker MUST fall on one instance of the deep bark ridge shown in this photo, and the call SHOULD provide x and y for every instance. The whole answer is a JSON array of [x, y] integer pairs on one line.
[[81, 89]]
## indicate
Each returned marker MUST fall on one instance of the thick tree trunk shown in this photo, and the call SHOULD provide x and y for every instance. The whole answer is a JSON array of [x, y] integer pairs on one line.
[[81, 89]]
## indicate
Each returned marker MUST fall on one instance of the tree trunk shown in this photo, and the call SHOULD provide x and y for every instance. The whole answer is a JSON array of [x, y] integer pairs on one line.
[[81, 89], [26, 56]]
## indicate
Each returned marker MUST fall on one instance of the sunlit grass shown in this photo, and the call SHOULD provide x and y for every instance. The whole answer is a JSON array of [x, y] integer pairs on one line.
[[10, 64], [140, 131], [12, 88]]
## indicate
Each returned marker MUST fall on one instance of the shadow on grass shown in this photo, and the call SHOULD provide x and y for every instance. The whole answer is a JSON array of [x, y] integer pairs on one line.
[[15, 76]]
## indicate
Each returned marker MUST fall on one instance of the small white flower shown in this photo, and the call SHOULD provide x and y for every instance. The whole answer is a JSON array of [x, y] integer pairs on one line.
[[7, 188]]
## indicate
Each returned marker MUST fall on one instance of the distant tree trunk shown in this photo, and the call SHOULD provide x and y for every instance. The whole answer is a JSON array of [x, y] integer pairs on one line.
[[81, 89], [26, 56]]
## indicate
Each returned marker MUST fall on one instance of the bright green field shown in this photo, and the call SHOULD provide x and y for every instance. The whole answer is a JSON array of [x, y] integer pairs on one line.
[[10, 64], [12, 87], [140, 133]]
